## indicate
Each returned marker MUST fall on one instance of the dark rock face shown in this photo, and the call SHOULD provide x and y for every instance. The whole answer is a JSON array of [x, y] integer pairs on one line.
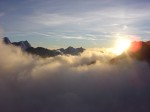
[[43, 52], [6, 40], [72, 51], [142, 53], [23, 44], [138, 50]]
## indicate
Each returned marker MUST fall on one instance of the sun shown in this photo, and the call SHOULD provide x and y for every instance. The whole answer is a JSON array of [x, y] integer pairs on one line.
[[121, 45]]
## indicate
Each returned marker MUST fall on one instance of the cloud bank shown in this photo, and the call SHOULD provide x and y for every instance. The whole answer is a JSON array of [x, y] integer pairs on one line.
[[72, 83]]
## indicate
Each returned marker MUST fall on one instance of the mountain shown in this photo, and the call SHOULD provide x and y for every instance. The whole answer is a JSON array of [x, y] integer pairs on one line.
[[6, 40], [72, 51], [23, 44], [138, 50], [44, 52]]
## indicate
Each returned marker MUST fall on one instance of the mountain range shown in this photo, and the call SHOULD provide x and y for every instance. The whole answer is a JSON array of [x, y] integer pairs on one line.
[[138, 50], [44, 52]]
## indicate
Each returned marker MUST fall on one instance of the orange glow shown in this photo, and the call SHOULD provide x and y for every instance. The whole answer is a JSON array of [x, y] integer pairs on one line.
[[135, 46]]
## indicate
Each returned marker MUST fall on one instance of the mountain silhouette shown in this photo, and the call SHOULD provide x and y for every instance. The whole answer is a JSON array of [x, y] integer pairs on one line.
[[6, 40], [43, 52]]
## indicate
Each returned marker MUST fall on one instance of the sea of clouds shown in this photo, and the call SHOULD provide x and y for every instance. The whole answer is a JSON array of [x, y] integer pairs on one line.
[[72, 83]]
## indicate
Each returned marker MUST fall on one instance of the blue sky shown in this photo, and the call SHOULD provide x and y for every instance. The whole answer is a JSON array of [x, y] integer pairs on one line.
[[62, 23]]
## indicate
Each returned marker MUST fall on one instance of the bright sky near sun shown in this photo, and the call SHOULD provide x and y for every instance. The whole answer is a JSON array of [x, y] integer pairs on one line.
[[62, 23]]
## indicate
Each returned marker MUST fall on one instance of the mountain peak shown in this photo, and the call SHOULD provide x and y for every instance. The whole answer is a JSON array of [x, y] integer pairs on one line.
[[23, 44], [44, 52], [6, 40]]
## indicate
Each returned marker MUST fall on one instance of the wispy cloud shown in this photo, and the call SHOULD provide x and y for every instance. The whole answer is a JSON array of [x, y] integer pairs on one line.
[[79, 17], [74, 37], [52, 19], [79, 37], [43, 34]]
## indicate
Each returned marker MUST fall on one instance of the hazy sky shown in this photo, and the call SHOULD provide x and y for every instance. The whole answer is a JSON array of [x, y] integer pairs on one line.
[[61, 23]]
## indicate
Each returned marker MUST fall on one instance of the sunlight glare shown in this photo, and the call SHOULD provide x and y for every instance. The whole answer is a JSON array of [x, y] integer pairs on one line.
[[121, 45]]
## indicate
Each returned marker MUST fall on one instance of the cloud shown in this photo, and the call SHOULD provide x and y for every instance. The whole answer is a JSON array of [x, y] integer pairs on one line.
[[79, 17], [71, 83], [79, 37], [44, 34], [55, 19], [99, 20]]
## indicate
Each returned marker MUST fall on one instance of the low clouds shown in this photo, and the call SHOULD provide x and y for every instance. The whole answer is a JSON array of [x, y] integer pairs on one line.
[[71, 83]]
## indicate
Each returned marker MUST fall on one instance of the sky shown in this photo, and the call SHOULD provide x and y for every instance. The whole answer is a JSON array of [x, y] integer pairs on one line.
[[63, 23]]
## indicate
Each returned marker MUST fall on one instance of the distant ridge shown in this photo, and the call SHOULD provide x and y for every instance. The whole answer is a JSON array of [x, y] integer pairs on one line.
[[71, 50], [44, 52], [23, 44]]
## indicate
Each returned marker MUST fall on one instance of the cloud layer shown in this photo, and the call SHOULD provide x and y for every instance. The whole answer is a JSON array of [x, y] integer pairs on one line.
[[71, 84]]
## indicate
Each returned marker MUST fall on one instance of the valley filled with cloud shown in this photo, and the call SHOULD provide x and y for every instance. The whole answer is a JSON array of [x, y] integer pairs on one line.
[[65, 83]]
